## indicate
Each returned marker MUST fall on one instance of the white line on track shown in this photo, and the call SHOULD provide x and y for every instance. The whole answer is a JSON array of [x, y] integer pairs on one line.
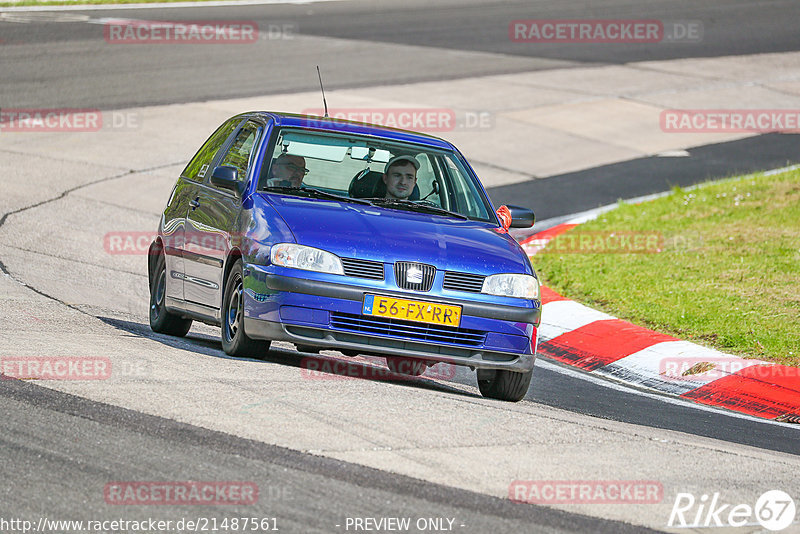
[[588, 215], [624, 387]]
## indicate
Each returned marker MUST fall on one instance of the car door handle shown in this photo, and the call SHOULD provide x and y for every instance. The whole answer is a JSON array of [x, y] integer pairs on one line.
[[195, 203]]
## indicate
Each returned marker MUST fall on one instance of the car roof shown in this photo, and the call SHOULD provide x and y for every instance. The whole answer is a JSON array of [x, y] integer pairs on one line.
[[329, 124]]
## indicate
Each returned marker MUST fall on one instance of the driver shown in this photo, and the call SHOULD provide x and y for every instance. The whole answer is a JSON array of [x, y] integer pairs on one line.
[[287, 171], [400, 176]]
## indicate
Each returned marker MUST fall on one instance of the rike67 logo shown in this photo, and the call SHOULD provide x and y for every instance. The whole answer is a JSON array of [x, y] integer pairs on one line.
[[774, 510]]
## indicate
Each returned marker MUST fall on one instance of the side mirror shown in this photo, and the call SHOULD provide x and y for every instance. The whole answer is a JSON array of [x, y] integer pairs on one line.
[[226, 177], [519, 217]]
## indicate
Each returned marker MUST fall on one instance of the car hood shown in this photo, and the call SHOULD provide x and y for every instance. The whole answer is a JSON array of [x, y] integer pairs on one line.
[[389, 235]]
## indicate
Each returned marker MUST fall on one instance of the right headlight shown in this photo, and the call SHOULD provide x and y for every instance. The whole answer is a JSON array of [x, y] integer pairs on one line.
[[523, 286], [307, 258]]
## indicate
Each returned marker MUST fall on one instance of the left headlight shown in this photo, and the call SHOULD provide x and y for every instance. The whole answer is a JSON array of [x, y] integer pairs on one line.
[[307, 258], [522, 286]]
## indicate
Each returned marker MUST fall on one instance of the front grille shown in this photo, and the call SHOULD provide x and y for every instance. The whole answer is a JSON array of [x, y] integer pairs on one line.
[[363, 268], [463, 281], [383, 326], [415, 276]]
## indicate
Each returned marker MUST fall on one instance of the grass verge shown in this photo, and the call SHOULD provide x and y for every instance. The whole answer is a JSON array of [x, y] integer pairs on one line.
[[718, 265]]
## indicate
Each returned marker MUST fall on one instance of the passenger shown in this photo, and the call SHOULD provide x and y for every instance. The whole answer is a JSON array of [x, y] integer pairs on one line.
[[400, 176], [287, 171]]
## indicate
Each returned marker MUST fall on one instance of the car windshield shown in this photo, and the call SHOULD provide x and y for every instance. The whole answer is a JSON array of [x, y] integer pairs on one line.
[[349, 166]]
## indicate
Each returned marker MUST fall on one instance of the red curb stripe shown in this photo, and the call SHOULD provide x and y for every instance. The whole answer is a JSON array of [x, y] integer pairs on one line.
[[767, 391], [550, 233], [600, 343], [548, 295]]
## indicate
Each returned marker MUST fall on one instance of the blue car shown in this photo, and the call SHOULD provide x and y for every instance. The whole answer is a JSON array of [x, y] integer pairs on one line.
[[332, 234]]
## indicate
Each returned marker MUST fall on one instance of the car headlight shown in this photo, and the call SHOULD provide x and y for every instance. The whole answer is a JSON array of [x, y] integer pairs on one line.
[[522, 286], [307, 258]]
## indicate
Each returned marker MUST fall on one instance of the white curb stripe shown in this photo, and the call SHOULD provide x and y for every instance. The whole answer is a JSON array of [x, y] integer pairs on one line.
[[645, 367], [661, 366], [562, 316]]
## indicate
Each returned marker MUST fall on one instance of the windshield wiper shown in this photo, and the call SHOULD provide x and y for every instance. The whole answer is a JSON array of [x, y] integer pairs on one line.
[[314, 193], [413, 205]]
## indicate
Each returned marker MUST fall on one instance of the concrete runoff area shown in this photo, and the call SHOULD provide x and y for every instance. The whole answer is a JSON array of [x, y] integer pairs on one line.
[[66, 295]]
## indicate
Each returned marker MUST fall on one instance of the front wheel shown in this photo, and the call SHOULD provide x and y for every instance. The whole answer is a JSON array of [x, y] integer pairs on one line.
[[234, 339], [504, 385], [161, 320]]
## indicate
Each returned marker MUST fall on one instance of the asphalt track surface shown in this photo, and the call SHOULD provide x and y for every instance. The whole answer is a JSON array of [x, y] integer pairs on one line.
[[595, 398], [69, 64], [58, 442], [67, 449]]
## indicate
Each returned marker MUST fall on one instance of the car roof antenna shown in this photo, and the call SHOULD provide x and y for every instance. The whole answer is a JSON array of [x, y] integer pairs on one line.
[[323, 92]]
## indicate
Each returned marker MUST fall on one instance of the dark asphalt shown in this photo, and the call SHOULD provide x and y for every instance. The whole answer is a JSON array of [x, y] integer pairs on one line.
[[70, 64], [62, 450]]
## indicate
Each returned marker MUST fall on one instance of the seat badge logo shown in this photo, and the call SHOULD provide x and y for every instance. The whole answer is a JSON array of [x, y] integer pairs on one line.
[[414, 275]]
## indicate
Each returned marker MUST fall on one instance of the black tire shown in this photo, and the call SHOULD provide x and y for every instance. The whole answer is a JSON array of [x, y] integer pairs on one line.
[[504, 385], [234, 339], [405, 366], [161, 320]]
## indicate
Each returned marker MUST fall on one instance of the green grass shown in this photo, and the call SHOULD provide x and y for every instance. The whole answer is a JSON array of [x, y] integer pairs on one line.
[[726, 273]]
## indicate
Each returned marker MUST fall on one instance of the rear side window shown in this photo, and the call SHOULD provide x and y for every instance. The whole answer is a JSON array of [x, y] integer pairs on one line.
[[199, 166]]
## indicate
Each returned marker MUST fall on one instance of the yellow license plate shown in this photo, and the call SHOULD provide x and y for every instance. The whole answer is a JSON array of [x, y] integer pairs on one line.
[[412, 310]]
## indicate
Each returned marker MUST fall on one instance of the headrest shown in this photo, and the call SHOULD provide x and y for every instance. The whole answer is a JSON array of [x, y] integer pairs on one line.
[[367, 184]]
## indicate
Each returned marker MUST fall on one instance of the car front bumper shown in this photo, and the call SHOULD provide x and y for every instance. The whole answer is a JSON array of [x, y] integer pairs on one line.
[[326, 314]]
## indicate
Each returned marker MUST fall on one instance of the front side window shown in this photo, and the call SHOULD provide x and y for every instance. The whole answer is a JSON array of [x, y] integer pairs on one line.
[[418, 179], [198, 167], [240, 153]]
